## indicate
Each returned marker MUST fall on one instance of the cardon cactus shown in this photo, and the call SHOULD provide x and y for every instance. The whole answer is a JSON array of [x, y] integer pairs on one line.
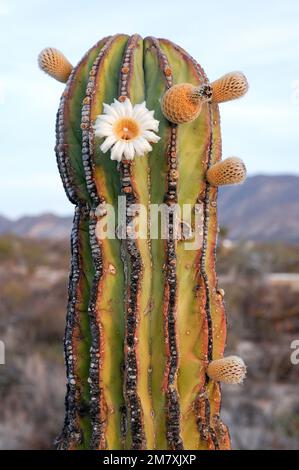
[[145, 317]]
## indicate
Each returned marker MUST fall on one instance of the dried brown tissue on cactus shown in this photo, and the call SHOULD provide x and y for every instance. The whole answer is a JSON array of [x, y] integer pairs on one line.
[[146, 325]]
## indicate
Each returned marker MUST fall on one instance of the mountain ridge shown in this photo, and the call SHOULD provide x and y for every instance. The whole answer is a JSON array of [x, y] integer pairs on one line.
[[264, 208]]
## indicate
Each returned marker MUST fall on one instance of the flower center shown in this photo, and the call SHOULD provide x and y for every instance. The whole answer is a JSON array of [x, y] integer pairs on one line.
[[126, 129]]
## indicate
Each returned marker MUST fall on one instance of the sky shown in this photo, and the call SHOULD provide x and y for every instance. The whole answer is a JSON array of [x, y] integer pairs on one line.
[[260, 38]]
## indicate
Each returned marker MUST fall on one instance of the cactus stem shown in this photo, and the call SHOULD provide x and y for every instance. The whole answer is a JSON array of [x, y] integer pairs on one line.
[[98, 407], [132, 313], [203, 271], [170, 295], [203, 412], [136, 269], [62, 149], [62, 154], [210, 428], [205, 426], [183, 102], [202, 402], [72, 434], [199, 70], [87, 136], [145, 317]]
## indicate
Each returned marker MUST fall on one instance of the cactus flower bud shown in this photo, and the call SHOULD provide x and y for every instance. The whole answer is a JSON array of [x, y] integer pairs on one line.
[[182, 103], [55, 64], [231, 370], [232, 170], [229, 87]]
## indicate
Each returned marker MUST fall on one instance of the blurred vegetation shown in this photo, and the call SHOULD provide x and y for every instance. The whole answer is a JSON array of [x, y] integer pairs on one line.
[[33, 295], [31, 253], [250, 258]]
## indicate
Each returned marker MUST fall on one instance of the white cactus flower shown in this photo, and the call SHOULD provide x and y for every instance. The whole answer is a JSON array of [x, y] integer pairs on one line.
[[128, 129]]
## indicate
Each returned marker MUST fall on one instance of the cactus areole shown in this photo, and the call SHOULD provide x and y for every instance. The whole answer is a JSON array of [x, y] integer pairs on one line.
[[145, 316]]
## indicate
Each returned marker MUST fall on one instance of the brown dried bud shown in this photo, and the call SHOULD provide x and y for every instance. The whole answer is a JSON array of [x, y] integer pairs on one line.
[[229, 87], [229, 369], [55, 64], [229, 171]]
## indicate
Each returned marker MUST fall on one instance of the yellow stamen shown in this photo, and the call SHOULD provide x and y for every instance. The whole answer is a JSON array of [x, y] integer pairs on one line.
[[127, 129]]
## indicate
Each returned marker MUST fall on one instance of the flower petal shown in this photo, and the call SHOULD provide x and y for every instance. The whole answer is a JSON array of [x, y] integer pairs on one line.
[[139, 148], [139, 110], [101, 125], [107, 144], [119, 108], [117, 154], [129, 151], [151, 136], [110, 111], [103, 130], [128, 107], [149, 124], [145, 145], [105, 118]]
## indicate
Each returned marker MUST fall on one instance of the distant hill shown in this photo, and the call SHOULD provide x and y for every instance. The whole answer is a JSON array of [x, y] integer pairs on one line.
[[264, 208], [40, 226]]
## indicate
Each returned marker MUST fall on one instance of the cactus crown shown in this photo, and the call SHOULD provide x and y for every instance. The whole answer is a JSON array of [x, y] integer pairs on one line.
[[144, 314]]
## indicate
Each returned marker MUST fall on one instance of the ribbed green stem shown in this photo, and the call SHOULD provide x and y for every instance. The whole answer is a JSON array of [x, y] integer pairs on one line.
[[144, 316]]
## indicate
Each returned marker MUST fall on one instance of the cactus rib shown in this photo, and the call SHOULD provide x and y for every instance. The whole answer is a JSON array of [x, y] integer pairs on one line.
[[170, 290], [135, 269]]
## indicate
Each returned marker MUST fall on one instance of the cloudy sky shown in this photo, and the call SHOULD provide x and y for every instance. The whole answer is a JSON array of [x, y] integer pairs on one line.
[[259, 38]]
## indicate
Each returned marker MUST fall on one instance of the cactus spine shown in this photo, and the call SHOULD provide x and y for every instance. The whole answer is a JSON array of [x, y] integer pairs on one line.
[[145, 316]]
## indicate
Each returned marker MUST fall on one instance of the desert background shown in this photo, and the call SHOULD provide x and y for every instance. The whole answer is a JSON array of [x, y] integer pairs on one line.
[[258, 267], [258, 246]]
